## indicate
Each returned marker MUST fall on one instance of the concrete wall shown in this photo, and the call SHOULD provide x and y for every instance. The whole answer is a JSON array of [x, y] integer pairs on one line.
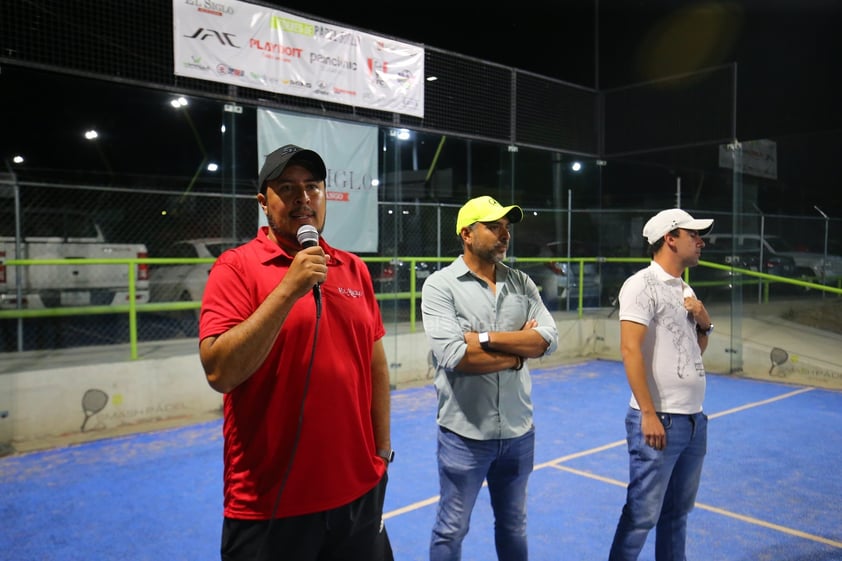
[[42, 394], [48, 398]]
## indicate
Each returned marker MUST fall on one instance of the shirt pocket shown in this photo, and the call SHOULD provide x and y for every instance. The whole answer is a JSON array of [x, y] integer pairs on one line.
[[512, 312]]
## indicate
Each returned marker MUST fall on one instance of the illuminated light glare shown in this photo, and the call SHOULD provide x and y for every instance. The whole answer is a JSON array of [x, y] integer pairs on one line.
[[403, 134], [213, 166], [18, 159], [576, 166], [432, 78], [222, 128], [91, 134], [163, 213], [179, 102], [375, 182]]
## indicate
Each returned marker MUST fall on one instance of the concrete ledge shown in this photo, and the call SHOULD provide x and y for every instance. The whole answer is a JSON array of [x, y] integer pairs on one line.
[[49, 403]]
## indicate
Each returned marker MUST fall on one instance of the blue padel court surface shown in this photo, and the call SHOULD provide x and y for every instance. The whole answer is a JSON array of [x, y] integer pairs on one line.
[[771, 487]]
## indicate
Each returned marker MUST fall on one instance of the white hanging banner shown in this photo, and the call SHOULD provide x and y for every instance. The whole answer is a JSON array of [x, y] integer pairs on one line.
[[349, 151], [253, 46], [759, 157]]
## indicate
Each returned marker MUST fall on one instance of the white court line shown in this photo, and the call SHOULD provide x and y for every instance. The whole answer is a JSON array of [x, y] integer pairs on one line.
[[554, 464], [741, 517]]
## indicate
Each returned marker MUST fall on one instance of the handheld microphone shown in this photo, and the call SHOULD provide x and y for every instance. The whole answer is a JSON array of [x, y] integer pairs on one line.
[[308, 236]]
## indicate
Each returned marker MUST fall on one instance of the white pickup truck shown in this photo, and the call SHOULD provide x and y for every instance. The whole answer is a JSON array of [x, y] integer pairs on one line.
[[65, 235]]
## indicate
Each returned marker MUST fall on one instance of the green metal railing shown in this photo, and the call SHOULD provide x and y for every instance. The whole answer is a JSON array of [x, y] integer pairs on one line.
[[133, 308]]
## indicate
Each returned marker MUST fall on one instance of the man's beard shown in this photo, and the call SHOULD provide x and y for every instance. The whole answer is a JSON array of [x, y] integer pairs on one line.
[[280, 233], [274, 227], [493, 255], [282, 236]]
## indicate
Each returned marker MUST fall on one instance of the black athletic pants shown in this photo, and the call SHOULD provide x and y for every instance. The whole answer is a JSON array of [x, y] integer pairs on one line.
[[353, 532]]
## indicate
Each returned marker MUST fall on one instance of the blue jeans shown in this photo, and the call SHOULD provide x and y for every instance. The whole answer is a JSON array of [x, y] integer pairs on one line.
[[662, 486], [463, 466]]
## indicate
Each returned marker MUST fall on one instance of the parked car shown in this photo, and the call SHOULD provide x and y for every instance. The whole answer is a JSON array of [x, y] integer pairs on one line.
[[746, 255], [713, 283], [778, 256], [809, 265], [68, 235], [174, 283], [394, 275], [558, 281]]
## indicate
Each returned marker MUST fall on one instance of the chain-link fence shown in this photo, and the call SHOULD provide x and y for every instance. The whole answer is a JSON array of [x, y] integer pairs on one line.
[[576, 257]]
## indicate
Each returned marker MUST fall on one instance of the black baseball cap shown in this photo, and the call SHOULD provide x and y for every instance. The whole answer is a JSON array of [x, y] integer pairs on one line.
[[275, 163]]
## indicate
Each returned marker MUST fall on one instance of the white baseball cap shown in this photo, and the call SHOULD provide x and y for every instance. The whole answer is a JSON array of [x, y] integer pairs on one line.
[[670, 219]]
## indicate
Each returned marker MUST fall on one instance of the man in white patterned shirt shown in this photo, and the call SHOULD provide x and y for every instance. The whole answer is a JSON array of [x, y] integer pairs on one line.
[[664, 330]]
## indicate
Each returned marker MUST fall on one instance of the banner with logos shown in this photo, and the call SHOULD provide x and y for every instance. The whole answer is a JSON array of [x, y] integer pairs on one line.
[[256, 47], [349, 151]]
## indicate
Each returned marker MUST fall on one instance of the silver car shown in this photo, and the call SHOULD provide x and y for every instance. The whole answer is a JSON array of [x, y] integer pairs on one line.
[[182, 283], [558, 281], [808, 265]]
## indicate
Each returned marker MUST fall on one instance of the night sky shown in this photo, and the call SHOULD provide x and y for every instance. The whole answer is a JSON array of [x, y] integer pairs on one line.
[[787, 52]]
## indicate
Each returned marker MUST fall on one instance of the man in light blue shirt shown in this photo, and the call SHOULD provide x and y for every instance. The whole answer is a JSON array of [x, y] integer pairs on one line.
[[483, 320]]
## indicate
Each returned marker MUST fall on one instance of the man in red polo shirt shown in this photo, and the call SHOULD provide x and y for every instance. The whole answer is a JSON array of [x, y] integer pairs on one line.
[[291, 334]]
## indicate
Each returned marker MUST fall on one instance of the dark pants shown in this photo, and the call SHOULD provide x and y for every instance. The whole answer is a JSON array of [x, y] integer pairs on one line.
[[353, 532]]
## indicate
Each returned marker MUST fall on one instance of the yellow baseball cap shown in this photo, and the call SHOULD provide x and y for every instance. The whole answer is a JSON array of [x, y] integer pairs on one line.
[[485, 209]]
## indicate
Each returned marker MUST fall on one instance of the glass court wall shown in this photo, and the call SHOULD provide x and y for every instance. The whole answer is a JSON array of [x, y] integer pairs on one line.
[[588, 167]]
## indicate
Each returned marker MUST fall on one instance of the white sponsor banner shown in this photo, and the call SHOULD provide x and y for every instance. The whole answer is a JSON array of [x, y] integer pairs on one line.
[[247, 45], [759, 158], [350, 154]]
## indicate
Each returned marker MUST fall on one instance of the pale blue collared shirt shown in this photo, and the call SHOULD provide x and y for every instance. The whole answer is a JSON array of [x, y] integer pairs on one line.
[[455, 301]]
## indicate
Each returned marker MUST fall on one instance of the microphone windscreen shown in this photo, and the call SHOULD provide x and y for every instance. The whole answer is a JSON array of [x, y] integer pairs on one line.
[[308, 236]]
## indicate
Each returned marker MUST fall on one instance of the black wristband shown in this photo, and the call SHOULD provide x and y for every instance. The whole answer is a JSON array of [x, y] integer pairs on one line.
[[702, 331], [519, 363]]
